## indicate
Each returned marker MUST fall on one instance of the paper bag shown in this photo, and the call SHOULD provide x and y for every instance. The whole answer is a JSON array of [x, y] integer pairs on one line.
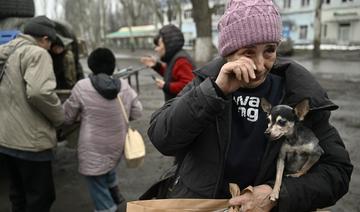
[[178, 205]]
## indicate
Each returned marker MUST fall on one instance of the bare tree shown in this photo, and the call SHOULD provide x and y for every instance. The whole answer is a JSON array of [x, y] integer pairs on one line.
[[169, 11], [133, 11], [115, 20], [317, 29], [84, 16], [102, 20], [56, 9], [156, 7], [178, 10], [202, 17], [137, 12], [92, 20], [174, 11], [131, 14]]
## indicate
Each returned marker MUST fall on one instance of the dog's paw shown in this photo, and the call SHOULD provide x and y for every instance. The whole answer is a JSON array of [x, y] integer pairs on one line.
[[274, 195]]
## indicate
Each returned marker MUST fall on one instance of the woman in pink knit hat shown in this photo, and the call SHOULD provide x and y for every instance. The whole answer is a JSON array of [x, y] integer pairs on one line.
[[216, 125]]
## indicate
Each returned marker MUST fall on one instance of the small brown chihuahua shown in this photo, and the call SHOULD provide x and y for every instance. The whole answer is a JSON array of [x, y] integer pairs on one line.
[[300, 149]]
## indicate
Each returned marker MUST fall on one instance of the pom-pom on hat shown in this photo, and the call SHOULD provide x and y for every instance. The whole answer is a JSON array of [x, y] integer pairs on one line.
[[40, 26], [102, 60], [248, 22]]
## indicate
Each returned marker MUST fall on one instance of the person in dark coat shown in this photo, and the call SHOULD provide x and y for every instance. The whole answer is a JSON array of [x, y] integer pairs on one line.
[[216, 122], [64, 62], [176, 66]]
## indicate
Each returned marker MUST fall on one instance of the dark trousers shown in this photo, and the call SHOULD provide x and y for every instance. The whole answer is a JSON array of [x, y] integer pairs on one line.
[[31, 185]]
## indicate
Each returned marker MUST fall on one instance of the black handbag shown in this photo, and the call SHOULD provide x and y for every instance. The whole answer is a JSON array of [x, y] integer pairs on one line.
[[161, 188]]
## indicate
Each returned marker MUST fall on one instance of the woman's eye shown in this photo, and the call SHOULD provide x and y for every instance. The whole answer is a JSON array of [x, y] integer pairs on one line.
[[270, 50], [248, 53]]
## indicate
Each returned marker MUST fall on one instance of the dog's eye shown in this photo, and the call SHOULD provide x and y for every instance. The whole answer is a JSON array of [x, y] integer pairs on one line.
[[281, 122]]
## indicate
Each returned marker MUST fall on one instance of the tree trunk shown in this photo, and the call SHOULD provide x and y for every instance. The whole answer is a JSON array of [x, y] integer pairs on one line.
[[129, 16], [178, 11], [102, 22], [202, 17], [317, 30], [203, 49]]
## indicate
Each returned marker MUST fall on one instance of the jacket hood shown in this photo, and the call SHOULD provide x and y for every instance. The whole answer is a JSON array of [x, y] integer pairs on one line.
[[173, 40], [62, 41], [105, 85], [299, 83]]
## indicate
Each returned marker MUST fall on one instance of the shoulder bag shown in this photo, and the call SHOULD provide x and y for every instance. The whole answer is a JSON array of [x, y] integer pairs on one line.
[[134, 149], [4, 60]]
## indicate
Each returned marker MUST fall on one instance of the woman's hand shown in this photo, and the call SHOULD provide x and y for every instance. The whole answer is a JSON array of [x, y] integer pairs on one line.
[[159, 83], [257, 200], [148, 61], [235, 74]]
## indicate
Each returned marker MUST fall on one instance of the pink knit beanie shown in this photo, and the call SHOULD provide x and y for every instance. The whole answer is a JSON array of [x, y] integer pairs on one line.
[[247, 22]]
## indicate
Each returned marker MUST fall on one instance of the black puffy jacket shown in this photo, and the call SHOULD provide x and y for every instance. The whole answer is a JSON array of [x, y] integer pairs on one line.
[[197, 124]]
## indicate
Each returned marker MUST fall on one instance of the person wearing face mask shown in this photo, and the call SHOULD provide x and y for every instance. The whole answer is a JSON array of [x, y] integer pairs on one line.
[[218, 126], [176, 66]]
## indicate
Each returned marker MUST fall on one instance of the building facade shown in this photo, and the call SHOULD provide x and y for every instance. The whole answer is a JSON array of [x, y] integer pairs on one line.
[[340, 21]]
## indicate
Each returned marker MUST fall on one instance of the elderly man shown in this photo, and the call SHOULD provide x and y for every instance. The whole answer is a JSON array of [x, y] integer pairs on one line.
[[30, 111]]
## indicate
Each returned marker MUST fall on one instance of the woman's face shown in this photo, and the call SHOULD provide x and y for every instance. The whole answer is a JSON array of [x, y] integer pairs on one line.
[[44, 42], [263, 55], [56, 49], [160, 48]]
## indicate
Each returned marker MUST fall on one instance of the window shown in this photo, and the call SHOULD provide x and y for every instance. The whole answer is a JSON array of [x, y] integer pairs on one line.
[[325, 31], [344, 32], [188, 14], [344, 1], [303, 32], [287, 3], [327, 1], [305, 3], [174, 16]]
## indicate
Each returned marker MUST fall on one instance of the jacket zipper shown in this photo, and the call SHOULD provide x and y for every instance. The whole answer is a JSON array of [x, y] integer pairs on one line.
[[222, 156]]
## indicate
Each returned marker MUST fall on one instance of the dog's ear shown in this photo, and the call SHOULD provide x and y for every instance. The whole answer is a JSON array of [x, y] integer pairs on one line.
[[265, 105], [302, 108]]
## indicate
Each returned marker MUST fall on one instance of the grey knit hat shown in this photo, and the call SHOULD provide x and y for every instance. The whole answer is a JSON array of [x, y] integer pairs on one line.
[[40, 26]]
